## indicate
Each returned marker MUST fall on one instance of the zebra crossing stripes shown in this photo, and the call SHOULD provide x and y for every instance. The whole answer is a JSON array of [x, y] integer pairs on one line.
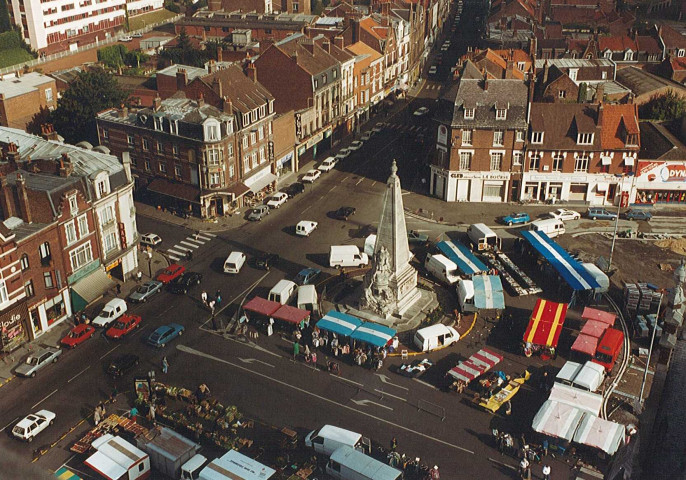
[[188, 244]]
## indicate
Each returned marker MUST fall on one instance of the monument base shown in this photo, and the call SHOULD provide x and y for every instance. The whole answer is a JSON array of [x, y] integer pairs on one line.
[[409, 319]]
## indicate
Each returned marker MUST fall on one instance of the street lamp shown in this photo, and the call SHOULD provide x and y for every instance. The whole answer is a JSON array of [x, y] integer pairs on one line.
[[614, 236]]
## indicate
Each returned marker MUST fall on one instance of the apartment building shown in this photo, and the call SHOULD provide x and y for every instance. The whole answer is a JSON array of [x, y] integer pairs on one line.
[[23, 96], [368, 85]]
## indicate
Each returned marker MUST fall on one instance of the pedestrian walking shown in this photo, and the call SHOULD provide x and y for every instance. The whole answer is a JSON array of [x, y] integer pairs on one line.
[[151, 413], [133, 413], [96, 416], [546, 472], [218, 297], [211, 305], [296, 350], [524, 469], [544, 445], [394, 444], [314, 359], [165, 364], [118, 287], [139, 276], [113, 395], [203, 296], [434, 473]]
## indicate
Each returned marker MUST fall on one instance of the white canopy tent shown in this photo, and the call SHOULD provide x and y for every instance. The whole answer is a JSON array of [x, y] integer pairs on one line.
[[602, 434]]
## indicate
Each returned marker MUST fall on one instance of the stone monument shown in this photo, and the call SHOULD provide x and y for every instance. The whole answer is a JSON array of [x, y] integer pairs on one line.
[[390, 287]]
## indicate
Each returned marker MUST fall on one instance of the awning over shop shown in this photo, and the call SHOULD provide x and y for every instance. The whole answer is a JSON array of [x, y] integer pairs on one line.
[[339, 323], [546, 323], [585, 344], [594, 328], [260, 182], [261, 306], [181, 191], [570, 269], [601, 187], [602, 434], [488, 292], [586, 401], [237, 190], [462, 257], [89, 289], [476, 365], [599, 315], [629, 161], [557, 419], [291, 314], [373, 334]]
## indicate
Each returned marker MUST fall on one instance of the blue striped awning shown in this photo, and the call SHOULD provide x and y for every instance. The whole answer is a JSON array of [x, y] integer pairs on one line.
[[571, 270], [488, 292], [339, 323], [465, 260], [373, 334]]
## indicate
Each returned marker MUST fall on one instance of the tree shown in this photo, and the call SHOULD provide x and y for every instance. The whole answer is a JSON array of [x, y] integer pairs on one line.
[[91, 92], [669, 106]]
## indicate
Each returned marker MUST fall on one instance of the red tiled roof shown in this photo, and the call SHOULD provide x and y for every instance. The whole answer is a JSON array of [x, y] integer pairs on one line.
[[648, 44], [618, 119], [672, 38], [678, 63], [617, 43]]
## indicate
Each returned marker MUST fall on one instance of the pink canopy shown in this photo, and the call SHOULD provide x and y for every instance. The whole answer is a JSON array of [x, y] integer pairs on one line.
[[599, 315], [290, 314], [594, 328], [261, 306], [585, 344]]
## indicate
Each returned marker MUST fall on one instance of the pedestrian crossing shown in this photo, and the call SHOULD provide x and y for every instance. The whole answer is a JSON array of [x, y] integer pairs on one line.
[[433, 86], [188, 244], [405, 128]]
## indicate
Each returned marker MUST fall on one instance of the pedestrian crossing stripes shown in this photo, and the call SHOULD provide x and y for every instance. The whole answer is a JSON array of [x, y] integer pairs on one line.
[[188, 244], [402, 128]]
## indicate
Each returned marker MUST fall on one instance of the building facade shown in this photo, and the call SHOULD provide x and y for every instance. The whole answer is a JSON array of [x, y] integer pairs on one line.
[[24, 96]]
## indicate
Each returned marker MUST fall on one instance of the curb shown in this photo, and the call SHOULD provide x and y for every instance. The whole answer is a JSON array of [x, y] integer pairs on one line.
[[6, 381]]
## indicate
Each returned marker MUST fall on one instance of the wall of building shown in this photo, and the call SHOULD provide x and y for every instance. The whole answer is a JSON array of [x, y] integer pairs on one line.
[[17, 112]]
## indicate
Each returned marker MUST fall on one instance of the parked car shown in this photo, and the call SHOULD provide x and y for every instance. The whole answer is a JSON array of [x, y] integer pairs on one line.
[[184, 283], [312, 175], [433, 69], [342, 154], [294, 189], [32, 424], [355, 146], [344, 212], [278, 199], [328, 164], [266, 261], [633, 214], [516, 218], [125, 38], [595, 213], [565, 214], [307, 275], [416, 238], [150, 239], [367, 135], [78, 335], [36, 361], [257, 213], [421, 111], [379, 127], [137, 35], [305, 227], [165, 334], [170, 273], [145, 291], [121, 364], [124, 326]]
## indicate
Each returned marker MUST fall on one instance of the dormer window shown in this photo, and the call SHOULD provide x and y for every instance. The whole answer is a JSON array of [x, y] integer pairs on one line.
[[573, 73], [521, 66], [73, 205], [501, 114], [628, 56], [212, 130], [254, 115], [681, 52], [469, 113], [271, 106], [608, 54], [631, 140], [537, 137], [246, 119], [584, 139], [603, 75], [157, 123], [262, 111]]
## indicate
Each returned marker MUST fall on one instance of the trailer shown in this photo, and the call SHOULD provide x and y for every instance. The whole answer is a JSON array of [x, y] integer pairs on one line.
[[117, 459], [167, 449]]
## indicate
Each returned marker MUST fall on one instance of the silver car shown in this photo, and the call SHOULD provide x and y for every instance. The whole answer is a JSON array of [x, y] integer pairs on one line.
[[145, 291], [256, 214], [38, 360]]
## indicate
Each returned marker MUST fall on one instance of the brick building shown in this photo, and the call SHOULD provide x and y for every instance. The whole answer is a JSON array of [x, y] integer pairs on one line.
[[368, 85], [23, 96]]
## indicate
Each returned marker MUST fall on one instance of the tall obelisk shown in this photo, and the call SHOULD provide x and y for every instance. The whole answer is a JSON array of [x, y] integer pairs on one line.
[[390, 287]]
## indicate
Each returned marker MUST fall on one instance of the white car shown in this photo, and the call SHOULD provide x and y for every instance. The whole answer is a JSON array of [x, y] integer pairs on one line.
[[312, 175], [32, 424], [125, 38], [366, 136], [564, 214], [278, 199], [433, 70], [355, 146], [444, 48], [150, 239], [379, 127], [328, 164], [342, 154], [137, 35], [421, 111], [305, 227]]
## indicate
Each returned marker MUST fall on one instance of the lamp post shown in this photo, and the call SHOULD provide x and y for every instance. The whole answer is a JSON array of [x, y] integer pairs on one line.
[[614, 236], [149, 255], [650, 351]]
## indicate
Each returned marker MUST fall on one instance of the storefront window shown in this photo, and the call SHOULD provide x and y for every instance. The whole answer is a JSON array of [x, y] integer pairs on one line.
[[54, 309]]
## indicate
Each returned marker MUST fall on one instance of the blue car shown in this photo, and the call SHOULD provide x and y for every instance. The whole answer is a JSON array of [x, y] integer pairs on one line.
[[307, 275], [638, 215], [165, 334], [597, 213], [515, 218]]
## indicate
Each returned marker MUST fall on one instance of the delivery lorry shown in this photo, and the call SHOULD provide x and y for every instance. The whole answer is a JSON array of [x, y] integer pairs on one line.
[[483, 238], [168, 451], [347, 256], [328, 438], [230, 466], [442, 268], [346, 463]]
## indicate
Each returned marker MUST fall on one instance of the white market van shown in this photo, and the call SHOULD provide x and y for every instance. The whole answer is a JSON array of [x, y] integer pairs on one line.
[[465, 296], [329, 438], [307, 298], [305, 227], [435, 336], [234, 262], [347, 256], [550, 226], [482, 237], [442, 268], [282, 291], [112, 310], [346, 463]]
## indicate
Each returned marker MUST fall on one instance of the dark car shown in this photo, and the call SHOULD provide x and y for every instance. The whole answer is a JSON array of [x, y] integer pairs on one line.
[[344, 212], [122, 364], [266, 261], [294, 189], [638, 215], [184, 283]]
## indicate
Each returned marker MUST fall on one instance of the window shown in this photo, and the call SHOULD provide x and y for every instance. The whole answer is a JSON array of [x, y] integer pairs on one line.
[[517, 158], [175, 150], [146, 145], [147, 165], [110, 242], [213, 157], [260, 131], [466, 137], [519, 136], [631, 139], [70, 232], [496, 161], [603, 75], [231, 171], [80, 256], [83, 226], [73, 204], [245, 142], [105, 133], [246, 119], [48, 94], [215, 179], [47, 278], [102, 188], [584, 139], [469, 114], [557, 162], [106, 215], [537, 137], [562, 94], [24, 262], [581, 163], [501, 114], [262, 156], [213, 132], [246, 163], [681, 52], [130, 140], [177, 169], [262, 111], [628, 56], [573, 72], [44, 251], [162, 167], [534, 162], [28, 289], [253, 138], [465, 160], [608, 54], [296, 7], [160, 147], [498, 137], [254, 159]]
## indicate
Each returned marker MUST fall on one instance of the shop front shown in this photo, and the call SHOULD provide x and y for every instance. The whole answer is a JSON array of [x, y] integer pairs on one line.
[[14, 327], [593, 189], [491, 187], [659, 182], [53, 311], [284, 164]]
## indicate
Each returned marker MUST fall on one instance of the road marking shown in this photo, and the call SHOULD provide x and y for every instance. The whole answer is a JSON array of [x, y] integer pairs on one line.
[[181, 247], [310, 206], [72, 378], [192, 351], [3, 428], [110, 351], [242, 294], [194, 239], [384, 379], [172, 257], [189, 244], [347, 380], [365, 402], [360, 181], [203, 237], [373, 183], [390, 395], [253, 360], [174, 252], [503, 464], [333, 188], [424, 383], [44, 398]]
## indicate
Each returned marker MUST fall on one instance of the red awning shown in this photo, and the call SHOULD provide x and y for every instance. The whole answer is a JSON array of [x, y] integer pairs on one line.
[[546, 323], [600, 315], [291, 314], [594, 328], [585, 344], [261, 306]]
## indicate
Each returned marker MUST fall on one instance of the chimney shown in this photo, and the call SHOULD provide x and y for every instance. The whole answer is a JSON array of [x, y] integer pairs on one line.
[[532, 47], [181, 78], [227, 107], [485, 80], [211, 66], [252, 71], [124, 113], [386, 13], [601, 107], [546, 67], [509, 69], [356, 30], [600, 93], [126, 162], [6, 200], [12, 154], [326, 45], [339, 42], [48, 132], [66, 167], [308, 45], [23, 199], [217, 87], [220, 54], [201, 100], [157, 103]]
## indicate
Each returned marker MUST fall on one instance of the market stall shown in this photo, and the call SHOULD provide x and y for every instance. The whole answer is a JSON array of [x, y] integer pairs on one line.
[[261, 306], [601, 434], [543, 332], [582, 399], [475, 366], [607, 318], [588, 376], [594, 328], [557, 419], [373, 334], [494, 402], [339, 323], [465, 260], [584, 346], [292, 315], [488, 293]]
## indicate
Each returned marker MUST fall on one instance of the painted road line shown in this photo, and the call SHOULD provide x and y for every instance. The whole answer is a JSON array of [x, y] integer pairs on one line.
[[44, 398], [174, 252], [193, 351], [390, 395], [72, 378], [347, 380], [189, 244], [360, 181], [310, 206], [503, 464], [253, 360], [181, 247], [109, 351], [3, 428], [385, 379], [365, 402], [424, 383], [243, 294], [193, 239], [173, 258]]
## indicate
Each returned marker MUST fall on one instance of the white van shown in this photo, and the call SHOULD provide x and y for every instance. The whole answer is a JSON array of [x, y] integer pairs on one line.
[[234, 262], [329, 438], [482, 237], [346, 463], [550, 226], [435, 336], [347, 256], [442, 268], [305, 227], [112, 310], [465, 296], [307, 298], [282, 291]]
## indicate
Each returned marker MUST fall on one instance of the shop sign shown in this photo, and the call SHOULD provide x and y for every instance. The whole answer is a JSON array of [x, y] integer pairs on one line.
[[285, 159], [315, 140], [298, 125], [482, 176], [443, 135], [113, 265], [12, 327], [301, 150], [122, 235], [270, 149], [662, 171]]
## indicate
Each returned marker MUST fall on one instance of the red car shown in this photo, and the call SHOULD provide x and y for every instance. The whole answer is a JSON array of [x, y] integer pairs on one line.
[[123, 326], [173, 271], [77, 335]]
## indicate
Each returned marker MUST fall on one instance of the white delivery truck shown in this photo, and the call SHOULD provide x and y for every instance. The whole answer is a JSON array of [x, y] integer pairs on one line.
[[347, 256], [307, 298], [346, 463], [550, 226], [482, 237], [230, 466], [465, 296], [282, 291], [435, 336], [329, 438], [442, 268]]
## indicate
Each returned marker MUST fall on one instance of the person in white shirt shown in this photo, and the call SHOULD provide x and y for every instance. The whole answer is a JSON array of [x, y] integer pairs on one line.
[[546, 472]]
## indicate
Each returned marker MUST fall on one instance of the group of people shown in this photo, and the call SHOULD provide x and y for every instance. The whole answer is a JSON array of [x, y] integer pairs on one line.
[[212, 303], [527, 454], [99, 413]]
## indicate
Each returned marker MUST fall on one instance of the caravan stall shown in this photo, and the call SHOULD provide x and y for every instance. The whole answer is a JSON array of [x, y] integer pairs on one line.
[[117, 459]]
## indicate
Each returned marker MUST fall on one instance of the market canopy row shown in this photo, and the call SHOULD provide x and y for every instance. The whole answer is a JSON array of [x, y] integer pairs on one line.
[[349, 326], [461, 256], [275, 310]]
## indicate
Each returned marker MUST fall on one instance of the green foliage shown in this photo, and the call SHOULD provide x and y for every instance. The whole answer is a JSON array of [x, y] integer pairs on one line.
[[11, 39], [669, 106], [317, 7], [14, 56], [116, 56], [583, 92], [39, 118], [91, 92], [172, 7], [185, 54], [5, 23]]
